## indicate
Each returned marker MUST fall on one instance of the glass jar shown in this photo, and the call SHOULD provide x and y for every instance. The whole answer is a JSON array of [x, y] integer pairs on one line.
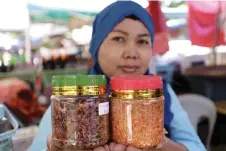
[[137, 110], [80, 112]]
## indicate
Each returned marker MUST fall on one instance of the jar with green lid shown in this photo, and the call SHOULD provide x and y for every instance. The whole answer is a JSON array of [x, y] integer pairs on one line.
[[80, 111]]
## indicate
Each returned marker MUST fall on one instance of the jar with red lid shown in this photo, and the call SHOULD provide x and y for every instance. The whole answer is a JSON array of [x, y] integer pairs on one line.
[[137, 110]]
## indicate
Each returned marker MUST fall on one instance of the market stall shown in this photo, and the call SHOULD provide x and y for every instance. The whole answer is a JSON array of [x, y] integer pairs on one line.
[[206, 25]]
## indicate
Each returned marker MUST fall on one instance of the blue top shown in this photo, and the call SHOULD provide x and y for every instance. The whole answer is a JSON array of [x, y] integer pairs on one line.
[[175, 118]]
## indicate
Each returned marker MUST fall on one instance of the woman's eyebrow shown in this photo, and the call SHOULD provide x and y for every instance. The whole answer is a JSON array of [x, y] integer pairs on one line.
[[144, 35], [120, 31], [126, 33]]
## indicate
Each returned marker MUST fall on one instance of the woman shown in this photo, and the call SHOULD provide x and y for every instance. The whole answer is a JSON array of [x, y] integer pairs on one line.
[[121, 44]]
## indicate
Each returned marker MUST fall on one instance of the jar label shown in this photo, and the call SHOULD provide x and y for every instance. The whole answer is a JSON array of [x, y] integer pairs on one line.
[[103, 108]]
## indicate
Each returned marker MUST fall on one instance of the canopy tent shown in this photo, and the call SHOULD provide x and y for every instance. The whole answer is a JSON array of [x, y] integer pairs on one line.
[[75, 12], [88, 6], [61, 11], [14, 15], [56, 15]]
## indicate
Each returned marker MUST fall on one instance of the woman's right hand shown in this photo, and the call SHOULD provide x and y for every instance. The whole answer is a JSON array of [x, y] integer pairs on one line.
[[51, 147], [111, 147]]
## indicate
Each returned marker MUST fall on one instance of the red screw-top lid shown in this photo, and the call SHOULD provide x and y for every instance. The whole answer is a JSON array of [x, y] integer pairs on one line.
[[135, 82]]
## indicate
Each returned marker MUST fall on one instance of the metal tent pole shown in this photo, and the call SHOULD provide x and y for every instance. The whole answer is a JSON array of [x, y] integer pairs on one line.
[[28, 42]]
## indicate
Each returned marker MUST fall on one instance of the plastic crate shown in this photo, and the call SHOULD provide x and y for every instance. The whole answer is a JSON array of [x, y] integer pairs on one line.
[[4, 112]]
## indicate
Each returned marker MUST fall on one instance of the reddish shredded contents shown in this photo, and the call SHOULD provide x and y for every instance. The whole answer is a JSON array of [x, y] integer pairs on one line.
[[139, 123], [77, 124]]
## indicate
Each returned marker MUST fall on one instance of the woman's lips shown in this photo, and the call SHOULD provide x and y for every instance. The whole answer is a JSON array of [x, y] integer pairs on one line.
[[128, 69]]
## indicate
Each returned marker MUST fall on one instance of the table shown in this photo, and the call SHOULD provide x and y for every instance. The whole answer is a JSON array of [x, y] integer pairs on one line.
[[221, 107], [208, 81]]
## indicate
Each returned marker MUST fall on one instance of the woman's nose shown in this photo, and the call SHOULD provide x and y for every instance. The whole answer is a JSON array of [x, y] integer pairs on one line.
[[130, 52]]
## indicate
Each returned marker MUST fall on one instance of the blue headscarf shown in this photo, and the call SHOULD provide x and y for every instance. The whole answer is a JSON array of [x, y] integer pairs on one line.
[[108, 18], [104, 23]]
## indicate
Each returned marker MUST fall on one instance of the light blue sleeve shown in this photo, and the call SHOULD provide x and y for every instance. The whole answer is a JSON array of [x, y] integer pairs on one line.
[[181, 129], [45, 128]]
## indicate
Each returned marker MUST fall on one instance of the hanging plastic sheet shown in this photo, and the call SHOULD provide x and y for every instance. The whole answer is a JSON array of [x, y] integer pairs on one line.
[[205, 20], [161, 33]]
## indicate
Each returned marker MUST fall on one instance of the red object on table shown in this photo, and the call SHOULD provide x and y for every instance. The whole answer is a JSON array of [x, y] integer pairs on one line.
[[161, 32], [202, 21], [10, 87], [18, 96]]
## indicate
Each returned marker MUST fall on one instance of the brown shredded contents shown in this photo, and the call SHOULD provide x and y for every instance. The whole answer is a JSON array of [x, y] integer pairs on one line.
[[77, 125], [139, 123]]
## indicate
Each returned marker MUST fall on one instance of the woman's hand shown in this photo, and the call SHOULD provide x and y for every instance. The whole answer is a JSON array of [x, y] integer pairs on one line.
[[165, 145], [51, 147], [169, 145], [119, 147]]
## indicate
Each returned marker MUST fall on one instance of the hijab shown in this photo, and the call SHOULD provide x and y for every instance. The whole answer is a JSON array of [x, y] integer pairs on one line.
[[104, 23]]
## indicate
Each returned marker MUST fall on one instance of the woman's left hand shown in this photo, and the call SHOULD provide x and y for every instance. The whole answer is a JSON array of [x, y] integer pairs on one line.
[[157, 148], [119, 147], [165, 145], [169, 145]]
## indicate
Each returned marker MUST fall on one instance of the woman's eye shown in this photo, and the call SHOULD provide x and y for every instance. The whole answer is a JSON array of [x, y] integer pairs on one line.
[[119, 39], [142, 41]]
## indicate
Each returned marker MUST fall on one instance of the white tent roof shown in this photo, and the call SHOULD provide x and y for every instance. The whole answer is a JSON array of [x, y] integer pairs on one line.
[[80, 5], [13, 15]]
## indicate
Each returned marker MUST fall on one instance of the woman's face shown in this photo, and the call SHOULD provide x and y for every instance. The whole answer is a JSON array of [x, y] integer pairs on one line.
[[126, 50]]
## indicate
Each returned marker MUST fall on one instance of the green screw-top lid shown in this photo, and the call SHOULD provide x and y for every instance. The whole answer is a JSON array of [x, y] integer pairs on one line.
[[78, 80]]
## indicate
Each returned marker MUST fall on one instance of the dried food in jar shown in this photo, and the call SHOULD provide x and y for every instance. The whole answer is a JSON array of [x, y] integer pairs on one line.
[[137, 110], [80, 123], [140, 122]]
